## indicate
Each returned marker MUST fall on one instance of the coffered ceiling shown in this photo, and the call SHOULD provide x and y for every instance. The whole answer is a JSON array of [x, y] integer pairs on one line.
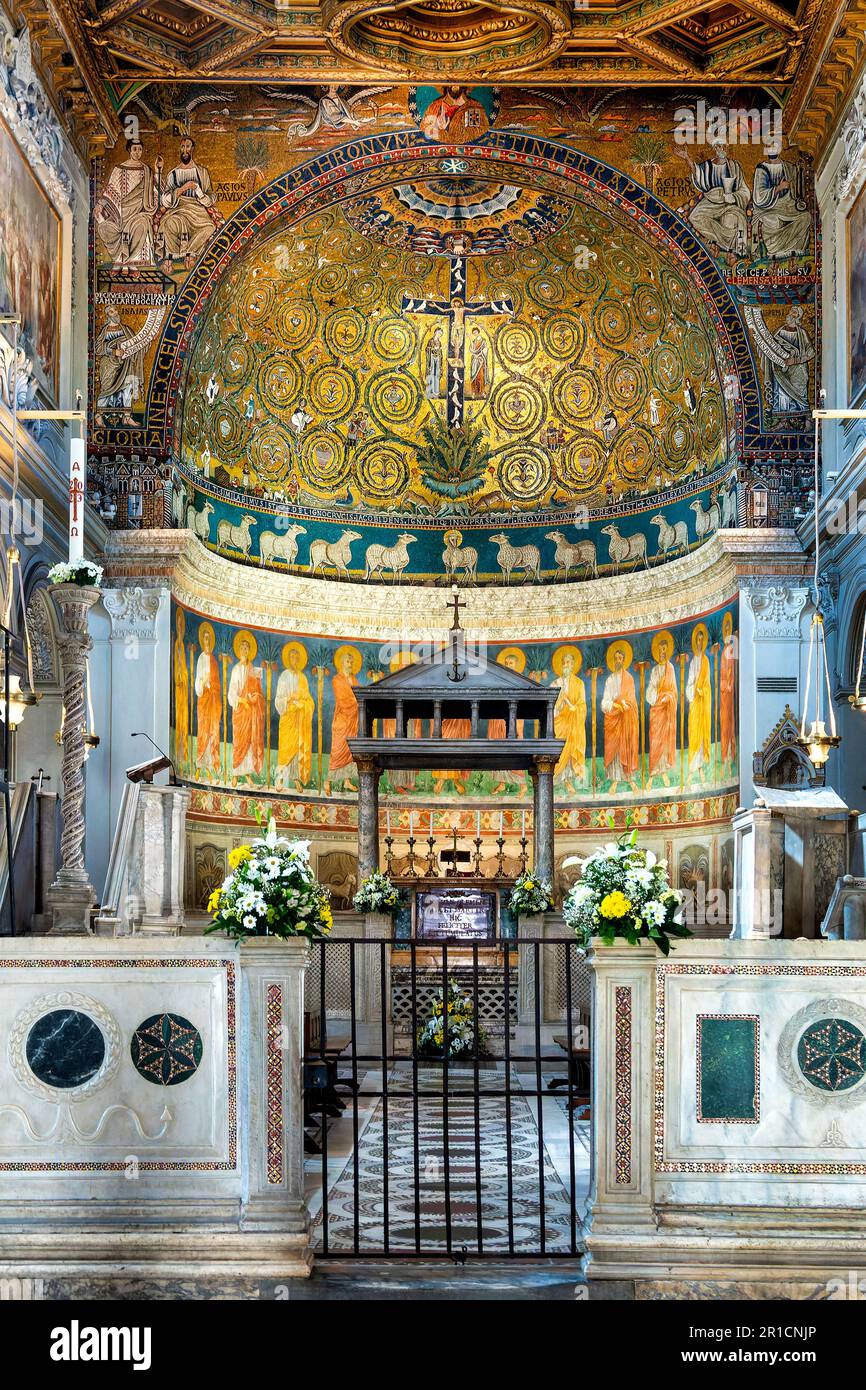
[[805, 52]]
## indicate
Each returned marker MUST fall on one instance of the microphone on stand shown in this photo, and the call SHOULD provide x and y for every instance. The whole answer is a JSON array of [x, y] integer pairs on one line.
[[172, 775]]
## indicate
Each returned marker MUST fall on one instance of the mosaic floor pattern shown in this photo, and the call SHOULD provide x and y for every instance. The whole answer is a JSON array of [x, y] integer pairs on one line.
[[526, 1187]]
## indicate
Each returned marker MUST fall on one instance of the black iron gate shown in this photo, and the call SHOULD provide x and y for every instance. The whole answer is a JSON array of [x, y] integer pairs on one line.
[[470, 1142]]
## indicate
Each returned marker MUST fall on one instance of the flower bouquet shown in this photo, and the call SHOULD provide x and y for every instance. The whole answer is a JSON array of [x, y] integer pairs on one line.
[[81, 572], [271, 891], [625, 892], [376, 894], [530, 896], [462, 1028]]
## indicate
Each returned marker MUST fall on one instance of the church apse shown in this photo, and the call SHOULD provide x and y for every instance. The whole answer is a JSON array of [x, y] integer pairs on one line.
[[369, 334], [646, 717]]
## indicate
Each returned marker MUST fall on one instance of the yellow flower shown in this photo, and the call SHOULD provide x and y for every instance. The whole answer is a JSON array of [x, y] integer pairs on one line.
[[213, 901], [239, 855], [616, 904]]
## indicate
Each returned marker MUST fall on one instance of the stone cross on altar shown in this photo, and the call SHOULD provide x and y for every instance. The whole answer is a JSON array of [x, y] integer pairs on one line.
[[457, 308]]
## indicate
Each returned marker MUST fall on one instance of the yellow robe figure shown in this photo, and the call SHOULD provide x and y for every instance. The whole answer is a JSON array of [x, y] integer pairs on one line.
[[181, 703], [569, 715], [569, 722], [699, 696], [295, 707]]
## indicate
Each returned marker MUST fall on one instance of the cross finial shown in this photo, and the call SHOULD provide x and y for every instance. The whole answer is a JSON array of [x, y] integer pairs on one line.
[[455, 602]]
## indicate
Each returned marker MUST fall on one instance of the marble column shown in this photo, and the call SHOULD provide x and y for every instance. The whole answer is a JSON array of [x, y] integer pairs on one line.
[[368, 815], [272, 1029], [71, 895], [543, 829]]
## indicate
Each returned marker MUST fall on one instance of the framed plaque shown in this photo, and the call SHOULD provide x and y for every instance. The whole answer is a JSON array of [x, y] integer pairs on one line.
[[455, 914]]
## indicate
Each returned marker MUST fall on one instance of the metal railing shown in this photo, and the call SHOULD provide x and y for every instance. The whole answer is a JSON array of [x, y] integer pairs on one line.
[[413, 1151]]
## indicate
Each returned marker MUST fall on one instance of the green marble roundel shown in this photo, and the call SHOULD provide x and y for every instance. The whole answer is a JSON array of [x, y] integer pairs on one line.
[[831, 1054]]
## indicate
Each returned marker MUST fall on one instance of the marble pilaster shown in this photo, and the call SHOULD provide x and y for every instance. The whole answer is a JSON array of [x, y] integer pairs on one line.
[[272, 995]]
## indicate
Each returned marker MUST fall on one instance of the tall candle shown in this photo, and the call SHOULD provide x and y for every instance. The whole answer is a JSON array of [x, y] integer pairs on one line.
[[77, 476], [523, 825], [431, 822], [478, 825], [411, 823], [500, 825], [387, 822]]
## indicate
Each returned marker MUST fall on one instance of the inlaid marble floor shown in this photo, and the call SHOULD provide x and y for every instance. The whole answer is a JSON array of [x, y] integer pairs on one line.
[[462, 1192]]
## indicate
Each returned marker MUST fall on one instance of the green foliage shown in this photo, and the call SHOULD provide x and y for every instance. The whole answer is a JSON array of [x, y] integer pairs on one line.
[[251, 155], [454, 460]]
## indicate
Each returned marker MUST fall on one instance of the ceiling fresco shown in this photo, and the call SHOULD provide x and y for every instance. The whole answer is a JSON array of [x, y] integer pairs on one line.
[[102, 55]]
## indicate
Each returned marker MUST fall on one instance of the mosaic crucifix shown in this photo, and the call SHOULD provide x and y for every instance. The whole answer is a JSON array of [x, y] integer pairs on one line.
[[456, 309]]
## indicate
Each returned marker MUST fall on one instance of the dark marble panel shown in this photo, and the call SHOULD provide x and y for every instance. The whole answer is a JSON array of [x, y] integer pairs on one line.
[[65, 1048], [728, 1068]]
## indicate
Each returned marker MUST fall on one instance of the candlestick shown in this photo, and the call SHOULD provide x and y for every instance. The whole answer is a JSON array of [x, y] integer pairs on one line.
[[500, 867], [388, 855], [432, 870], [476, 868], [77, 476], [411, 871], [524, 860]]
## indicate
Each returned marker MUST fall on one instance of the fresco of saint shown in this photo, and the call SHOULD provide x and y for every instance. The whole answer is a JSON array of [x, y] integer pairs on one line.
[[247, 701], [662, 699], [208, 702], [699, 697], [514, 659], [294, 704], [728, 694], [569, 717], [344, 725], [619, 706], [181, 692]]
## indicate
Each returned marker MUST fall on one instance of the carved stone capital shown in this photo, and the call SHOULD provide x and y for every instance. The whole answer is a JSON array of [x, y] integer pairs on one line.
[[132, 612], [777, 610]]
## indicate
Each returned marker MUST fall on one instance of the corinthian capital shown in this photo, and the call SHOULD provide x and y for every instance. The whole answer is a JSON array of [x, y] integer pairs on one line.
[[132, 612], [778, 609]]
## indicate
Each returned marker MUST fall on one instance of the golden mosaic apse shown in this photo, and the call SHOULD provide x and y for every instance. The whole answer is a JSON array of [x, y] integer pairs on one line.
[[454, 345]]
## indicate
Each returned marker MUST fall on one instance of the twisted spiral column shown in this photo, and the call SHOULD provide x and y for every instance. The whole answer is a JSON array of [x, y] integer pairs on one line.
[[71, 894]]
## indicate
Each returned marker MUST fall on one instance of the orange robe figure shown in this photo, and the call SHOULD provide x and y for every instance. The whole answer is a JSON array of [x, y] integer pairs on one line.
[[247, 701], [343, 726], [662, 700], [727, 688], [453, 728], [207, 691], [621, 737], [181, 702]]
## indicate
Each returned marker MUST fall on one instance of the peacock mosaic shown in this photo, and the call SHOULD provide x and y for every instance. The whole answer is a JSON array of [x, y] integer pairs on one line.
[[649, 715]]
